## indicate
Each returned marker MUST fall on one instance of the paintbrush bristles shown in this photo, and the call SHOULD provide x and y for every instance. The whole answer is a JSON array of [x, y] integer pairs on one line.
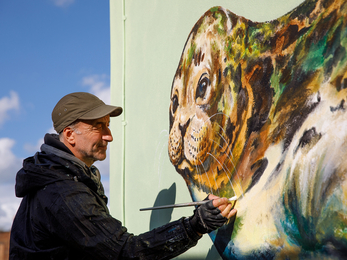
[[233, 198]]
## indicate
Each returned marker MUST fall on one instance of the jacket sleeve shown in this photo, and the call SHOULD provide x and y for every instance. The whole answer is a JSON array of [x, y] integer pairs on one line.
[[164, 242], [80, 218]]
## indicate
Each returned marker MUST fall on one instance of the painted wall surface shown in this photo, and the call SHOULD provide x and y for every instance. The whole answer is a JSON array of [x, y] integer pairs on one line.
[[147, 40], [258, 111]]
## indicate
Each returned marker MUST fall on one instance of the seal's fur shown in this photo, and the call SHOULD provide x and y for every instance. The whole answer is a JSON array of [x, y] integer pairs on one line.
[[258, 111]]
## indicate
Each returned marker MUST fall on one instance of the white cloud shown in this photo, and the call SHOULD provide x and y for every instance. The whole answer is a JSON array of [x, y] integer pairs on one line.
[[8, 206], [33, 148], [63, 3], [9, 163], [7, 104], [99, 86]]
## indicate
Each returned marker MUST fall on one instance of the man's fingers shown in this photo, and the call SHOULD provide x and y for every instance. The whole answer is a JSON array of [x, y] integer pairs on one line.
[[212, 197], [231, 213], [228, 212], [223, 204], [220, 201]]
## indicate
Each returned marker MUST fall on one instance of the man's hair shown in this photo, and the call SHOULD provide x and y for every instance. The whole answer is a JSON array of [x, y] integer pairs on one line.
[[73, 126]]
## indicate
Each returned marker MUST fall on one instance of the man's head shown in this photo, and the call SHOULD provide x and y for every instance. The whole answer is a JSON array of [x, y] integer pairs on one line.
[[82, 121]]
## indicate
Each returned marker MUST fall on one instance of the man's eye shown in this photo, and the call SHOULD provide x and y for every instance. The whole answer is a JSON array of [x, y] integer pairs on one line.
[[97, 127]]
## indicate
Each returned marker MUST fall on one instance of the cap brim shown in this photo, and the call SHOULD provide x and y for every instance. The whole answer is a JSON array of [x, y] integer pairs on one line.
[[102, 111]]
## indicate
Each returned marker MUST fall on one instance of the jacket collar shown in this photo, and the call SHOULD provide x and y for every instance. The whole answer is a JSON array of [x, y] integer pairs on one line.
[[54, 146]]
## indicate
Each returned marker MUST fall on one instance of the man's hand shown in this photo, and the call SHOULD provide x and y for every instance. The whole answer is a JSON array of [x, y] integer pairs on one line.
[[223, 205], [211, 215]]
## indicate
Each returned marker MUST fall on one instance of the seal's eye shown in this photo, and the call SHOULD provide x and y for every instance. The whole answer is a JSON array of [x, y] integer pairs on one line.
[[202, 88], [174, 104]]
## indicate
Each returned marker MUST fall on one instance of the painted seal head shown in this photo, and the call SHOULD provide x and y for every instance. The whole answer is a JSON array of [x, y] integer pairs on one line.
[[208, 107]]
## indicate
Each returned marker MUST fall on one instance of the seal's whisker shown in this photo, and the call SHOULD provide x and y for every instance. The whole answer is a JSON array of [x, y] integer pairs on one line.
[[225, 170], [199, 176], [230, 157], [231, 160], [207, 177], [219, 113]]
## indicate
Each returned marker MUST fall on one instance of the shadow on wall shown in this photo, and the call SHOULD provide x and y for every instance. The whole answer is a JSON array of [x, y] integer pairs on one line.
[[163, 216]]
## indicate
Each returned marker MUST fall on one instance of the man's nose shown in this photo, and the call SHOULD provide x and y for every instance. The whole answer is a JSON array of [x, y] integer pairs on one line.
[[107, 135]]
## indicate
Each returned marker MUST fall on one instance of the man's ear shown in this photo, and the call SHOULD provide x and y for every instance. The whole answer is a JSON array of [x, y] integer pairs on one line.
[[69, 136]]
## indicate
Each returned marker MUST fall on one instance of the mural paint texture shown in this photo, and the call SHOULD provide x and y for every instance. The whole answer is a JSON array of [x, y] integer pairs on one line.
[[258, 111]]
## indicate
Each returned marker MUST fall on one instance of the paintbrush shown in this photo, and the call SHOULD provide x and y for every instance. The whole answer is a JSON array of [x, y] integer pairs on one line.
[[187, 204]]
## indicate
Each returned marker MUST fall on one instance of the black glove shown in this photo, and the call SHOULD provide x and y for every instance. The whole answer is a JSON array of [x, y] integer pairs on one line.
[[206, 218]]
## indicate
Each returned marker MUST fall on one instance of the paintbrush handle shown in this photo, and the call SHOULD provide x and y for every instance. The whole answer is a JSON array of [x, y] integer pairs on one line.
[[187, 204]]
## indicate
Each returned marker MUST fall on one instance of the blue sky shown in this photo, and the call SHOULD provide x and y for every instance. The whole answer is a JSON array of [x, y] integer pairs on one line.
[[48, 48]]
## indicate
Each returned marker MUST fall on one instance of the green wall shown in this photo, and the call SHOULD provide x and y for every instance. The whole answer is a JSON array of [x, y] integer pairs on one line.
[[147, 38]]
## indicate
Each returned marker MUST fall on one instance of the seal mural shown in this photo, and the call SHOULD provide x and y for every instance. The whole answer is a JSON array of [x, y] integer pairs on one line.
[[258, 111]]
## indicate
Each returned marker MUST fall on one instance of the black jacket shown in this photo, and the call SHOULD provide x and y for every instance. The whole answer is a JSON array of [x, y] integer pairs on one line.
[[63, 215]]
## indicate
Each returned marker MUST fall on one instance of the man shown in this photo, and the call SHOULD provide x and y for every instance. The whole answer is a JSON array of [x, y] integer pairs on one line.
[[63, 213]]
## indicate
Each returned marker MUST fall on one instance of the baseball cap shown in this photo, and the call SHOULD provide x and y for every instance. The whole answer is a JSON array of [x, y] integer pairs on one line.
[[80, 105]]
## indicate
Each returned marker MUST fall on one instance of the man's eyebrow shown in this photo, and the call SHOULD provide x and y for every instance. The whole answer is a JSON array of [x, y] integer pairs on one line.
[[102, 122]]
